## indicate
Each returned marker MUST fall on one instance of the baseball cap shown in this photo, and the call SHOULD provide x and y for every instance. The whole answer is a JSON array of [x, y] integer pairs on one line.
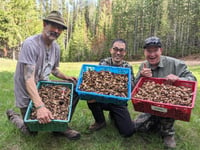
[[55, 16], [152, 41]]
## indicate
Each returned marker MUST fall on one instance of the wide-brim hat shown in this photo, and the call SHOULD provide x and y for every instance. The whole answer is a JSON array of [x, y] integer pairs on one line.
[[55, 16], [152, 41]]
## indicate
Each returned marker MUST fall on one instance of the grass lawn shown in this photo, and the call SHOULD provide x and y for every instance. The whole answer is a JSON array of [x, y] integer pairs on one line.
[[187, 133]]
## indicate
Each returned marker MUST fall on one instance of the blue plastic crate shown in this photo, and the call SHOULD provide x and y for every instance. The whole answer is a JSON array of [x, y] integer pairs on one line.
[[84, 95], [54, 125]]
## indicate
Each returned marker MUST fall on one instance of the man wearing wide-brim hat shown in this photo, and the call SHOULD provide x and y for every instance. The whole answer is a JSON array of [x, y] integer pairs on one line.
[[39, 57], [55, 17]]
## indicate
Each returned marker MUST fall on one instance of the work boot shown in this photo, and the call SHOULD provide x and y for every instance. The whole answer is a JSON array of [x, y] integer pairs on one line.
[[17, 121], [69, 133], [143, 122], [97, 126], [169, 141]]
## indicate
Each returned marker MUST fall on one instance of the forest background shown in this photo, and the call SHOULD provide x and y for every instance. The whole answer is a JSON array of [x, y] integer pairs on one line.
[[93, 24]]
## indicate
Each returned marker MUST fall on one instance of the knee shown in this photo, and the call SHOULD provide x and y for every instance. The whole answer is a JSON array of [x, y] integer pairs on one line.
[[91, 104], [91, 101], [127, 132]]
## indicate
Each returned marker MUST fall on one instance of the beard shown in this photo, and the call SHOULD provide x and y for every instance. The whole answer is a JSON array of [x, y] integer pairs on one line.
[[52, 34], [117, 60]]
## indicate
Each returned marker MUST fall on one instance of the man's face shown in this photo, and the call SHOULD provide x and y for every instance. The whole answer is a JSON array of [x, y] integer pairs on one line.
[[52, 30], [153, 54], [118, 51]]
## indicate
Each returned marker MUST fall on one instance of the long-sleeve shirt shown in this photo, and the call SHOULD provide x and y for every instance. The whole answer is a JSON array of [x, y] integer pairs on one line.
[[166, 66]]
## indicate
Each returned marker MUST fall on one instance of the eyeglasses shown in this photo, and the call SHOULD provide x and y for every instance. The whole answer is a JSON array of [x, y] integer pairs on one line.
[[116, 49]]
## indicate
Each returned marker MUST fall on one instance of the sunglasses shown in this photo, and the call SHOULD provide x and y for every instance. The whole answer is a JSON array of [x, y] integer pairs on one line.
[[116, 49]]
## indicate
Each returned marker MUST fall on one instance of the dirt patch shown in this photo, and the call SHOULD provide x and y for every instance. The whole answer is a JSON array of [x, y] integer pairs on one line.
[[195, 57], [192, 63], [192, 59]]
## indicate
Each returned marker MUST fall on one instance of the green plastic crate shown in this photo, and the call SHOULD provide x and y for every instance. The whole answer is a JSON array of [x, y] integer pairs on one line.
[[54, 125]]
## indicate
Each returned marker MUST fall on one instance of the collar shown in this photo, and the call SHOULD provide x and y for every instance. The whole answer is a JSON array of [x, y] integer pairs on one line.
[[161, 63], [116, 64]]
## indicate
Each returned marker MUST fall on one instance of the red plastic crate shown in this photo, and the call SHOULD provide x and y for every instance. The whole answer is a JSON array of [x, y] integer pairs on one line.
[[177, 112]]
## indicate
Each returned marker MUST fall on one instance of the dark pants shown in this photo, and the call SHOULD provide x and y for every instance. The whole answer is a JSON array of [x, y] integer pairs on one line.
[[118, 113]]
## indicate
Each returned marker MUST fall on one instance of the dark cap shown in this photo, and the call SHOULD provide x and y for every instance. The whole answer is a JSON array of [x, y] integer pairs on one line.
[[55, 16], [152, 41]]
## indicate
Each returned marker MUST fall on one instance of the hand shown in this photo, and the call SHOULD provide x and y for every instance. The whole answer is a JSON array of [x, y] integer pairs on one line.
[[146, 72], [72, 79], [171, 78], [44, 115]]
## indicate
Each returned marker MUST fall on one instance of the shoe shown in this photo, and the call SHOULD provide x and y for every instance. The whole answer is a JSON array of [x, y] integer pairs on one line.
[[69, 133], [169, 141], [97, 126]]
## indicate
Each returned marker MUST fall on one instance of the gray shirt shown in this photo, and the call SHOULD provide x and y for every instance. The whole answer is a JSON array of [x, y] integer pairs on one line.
[[34, 52], [166, 66]]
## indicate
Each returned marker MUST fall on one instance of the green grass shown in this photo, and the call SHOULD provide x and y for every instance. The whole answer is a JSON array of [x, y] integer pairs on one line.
[[187, 133]]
